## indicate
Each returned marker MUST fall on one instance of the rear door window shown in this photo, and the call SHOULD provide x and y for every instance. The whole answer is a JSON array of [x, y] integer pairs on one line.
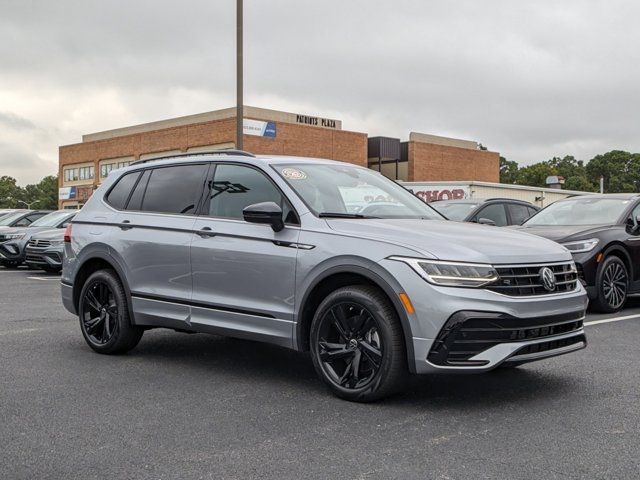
[[495, 212], [174, 189], [519, 213]]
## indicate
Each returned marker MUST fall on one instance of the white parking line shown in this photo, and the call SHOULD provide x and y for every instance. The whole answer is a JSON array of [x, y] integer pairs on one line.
[[44, 279], [614, 319], [23, 330]]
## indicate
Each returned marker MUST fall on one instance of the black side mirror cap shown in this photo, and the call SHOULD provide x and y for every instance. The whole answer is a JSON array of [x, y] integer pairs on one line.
[[266, 212]]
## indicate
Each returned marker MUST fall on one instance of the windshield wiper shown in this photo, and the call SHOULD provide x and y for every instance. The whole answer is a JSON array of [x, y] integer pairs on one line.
[[342, 215]]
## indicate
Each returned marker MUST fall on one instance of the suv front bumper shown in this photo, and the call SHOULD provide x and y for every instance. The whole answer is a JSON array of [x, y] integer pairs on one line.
[[435, 306]]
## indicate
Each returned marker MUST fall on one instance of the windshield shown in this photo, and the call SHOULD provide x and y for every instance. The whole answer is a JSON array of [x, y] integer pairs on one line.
[[352, 192], [454, 211], [5, 214], [9, 219], [51, 220], [581, 211]]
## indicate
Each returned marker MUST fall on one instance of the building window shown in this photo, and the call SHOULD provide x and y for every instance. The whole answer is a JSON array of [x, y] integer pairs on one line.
[[75, 174], [106, 168]]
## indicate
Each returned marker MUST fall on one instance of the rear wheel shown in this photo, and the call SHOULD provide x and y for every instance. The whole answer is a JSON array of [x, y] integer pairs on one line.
[[357, 344], [104, 314], [612, 283]]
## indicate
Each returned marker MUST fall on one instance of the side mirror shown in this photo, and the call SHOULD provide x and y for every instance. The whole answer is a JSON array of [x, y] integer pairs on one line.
[[265, 212], [486, 221]]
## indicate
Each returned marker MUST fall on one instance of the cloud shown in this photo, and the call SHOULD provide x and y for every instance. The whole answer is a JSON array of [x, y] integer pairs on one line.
[[529, 79]]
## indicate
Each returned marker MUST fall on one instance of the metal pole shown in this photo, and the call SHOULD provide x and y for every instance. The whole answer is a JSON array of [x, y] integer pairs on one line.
[[239, 76], [601, 183]]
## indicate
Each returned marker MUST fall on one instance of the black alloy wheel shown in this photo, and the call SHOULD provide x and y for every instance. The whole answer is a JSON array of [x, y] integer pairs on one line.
[[104, 314], [350, 345], [613, 285], [99, 313], [357, 344]]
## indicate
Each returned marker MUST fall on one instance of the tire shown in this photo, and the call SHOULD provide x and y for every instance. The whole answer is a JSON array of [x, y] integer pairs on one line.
[[104, 314], [11, 264], [357, 344], [612, 283]]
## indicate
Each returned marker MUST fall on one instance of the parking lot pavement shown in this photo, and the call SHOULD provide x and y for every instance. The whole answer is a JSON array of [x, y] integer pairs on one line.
[[196, 406]]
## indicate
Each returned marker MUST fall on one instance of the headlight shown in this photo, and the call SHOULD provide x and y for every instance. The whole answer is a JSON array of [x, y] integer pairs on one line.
[[452, 274], [13, 236], [581, 246], [56, 242]]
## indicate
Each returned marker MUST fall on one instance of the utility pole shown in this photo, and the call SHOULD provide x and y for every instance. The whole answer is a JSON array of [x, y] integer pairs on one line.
[[239, 77], [601, 183]]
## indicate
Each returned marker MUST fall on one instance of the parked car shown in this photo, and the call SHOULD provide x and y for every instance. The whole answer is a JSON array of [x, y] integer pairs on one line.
[[45, 250], [266, 249], [603, 234], [499, 212], [21, 218], [13, 241], [5, 212]]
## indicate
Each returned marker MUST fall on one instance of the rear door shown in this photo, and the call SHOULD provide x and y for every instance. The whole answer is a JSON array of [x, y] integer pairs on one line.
[[633, 246], [153, 240], [244, 273]]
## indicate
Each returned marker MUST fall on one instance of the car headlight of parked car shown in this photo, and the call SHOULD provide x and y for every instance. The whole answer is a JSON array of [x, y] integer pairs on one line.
[[452, 274], [581, 246], [14, 236]]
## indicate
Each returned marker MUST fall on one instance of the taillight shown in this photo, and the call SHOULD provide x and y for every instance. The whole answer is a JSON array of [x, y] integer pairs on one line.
[[67, 234]]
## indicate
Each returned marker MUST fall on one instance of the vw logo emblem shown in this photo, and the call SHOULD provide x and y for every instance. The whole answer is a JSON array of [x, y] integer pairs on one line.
[[548, 279]]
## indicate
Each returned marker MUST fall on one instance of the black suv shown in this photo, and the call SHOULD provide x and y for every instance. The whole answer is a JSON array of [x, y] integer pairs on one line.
[[603, 234], [499, 212]]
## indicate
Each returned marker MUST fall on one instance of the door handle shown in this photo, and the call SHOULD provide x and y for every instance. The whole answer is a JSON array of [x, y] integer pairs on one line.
[[124, 225], [206, 232]]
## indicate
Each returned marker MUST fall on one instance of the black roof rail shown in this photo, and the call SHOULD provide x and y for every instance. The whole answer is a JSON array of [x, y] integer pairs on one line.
[[240, 153], [506, 198]]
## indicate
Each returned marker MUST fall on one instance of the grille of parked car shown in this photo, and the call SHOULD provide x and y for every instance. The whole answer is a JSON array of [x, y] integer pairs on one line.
[[528, 280], [39, 243], [469, 333]]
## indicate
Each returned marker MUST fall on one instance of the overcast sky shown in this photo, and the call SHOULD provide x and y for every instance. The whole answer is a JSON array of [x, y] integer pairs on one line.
[[530, 79]]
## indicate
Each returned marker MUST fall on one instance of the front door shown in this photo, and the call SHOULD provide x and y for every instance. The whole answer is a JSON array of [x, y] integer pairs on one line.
[[243, 273]]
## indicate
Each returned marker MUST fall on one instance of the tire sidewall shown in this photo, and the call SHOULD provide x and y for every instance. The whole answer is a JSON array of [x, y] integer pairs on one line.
[[377, 310], [121, 300]]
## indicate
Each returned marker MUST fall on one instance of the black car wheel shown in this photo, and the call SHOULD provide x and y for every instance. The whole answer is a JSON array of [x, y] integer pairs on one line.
[[613, 285], [357, 344], [104, 314], [11, 264]]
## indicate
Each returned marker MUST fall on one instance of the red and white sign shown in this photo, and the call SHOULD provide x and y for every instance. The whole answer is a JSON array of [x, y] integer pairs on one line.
[[431, 193]]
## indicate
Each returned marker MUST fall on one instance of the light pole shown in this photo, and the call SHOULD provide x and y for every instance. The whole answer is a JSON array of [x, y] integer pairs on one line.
[[239, 77], [28, 204]]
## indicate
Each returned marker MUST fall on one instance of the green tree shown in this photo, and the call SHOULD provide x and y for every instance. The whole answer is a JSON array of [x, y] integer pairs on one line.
[[42, 195], [508, 171], [10, 192], [620, 169], [535, 175]]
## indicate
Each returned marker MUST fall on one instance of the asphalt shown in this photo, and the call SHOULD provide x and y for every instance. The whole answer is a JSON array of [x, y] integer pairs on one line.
[[202, 407]]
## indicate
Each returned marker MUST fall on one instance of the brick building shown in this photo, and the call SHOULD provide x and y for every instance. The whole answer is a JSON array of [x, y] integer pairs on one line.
[[83, 166]]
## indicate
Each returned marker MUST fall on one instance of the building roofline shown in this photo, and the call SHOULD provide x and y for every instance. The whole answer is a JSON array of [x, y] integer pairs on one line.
[[500, 185], [225, 113]]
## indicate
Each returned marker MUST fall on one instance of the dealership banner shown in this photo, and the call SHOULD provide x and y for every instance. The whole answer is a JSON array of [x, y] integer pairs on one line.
[[67, 193], [432, 193], [259, 128]]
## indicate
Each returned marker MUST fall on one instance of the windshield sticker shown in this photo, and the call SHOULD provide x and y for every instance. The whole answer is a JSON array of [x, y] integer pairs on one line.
[[293, 174]]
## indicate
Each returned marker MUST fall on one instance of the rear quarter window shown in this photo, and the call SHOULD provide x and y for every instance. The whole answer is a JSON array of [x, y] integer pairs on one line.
[[119, 194]]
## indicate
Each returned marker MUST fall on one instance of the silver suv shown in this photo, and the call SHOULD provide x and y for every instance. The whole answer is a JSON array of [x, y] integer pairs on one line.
[[314, 255]]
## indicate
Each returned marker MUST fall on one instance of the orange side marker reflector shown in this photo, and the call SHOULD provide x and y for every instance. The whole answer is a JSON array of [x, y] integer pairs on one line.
[[407, 303], [599, 257]]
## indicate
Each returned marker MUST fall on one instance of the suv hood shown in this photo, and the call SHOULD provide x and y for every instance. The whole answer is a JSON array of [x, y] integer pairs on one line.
[[464, 242], [562, 233], [50, 234]]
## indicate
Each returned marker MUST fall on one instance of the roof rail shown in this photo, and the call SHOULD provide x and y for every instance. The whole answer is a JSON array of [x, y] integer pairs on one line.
[[240, 153]]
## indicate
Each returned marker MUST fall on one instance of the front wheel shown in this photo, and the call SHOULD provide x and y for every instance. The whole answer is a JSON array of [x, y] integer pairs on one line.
[[104, 314], [612, 283], [357, 344]]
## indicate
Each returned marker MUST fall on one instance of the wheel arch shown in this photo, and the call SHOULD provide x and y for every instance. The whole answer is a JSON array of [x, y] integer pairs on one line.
[[339, 276], [619, 250], [99, 260]]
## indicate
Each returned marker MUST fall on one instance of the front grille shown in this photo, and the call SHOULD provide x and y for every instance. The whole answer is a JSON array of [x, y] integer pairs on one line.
[[39, 243], [34, 258], [526, 280], [467, 334]]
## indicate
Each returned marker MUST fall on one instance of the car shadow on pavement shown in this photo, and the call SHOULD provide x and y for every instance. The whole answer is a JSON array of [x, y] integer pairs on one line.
[[246, 360]]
